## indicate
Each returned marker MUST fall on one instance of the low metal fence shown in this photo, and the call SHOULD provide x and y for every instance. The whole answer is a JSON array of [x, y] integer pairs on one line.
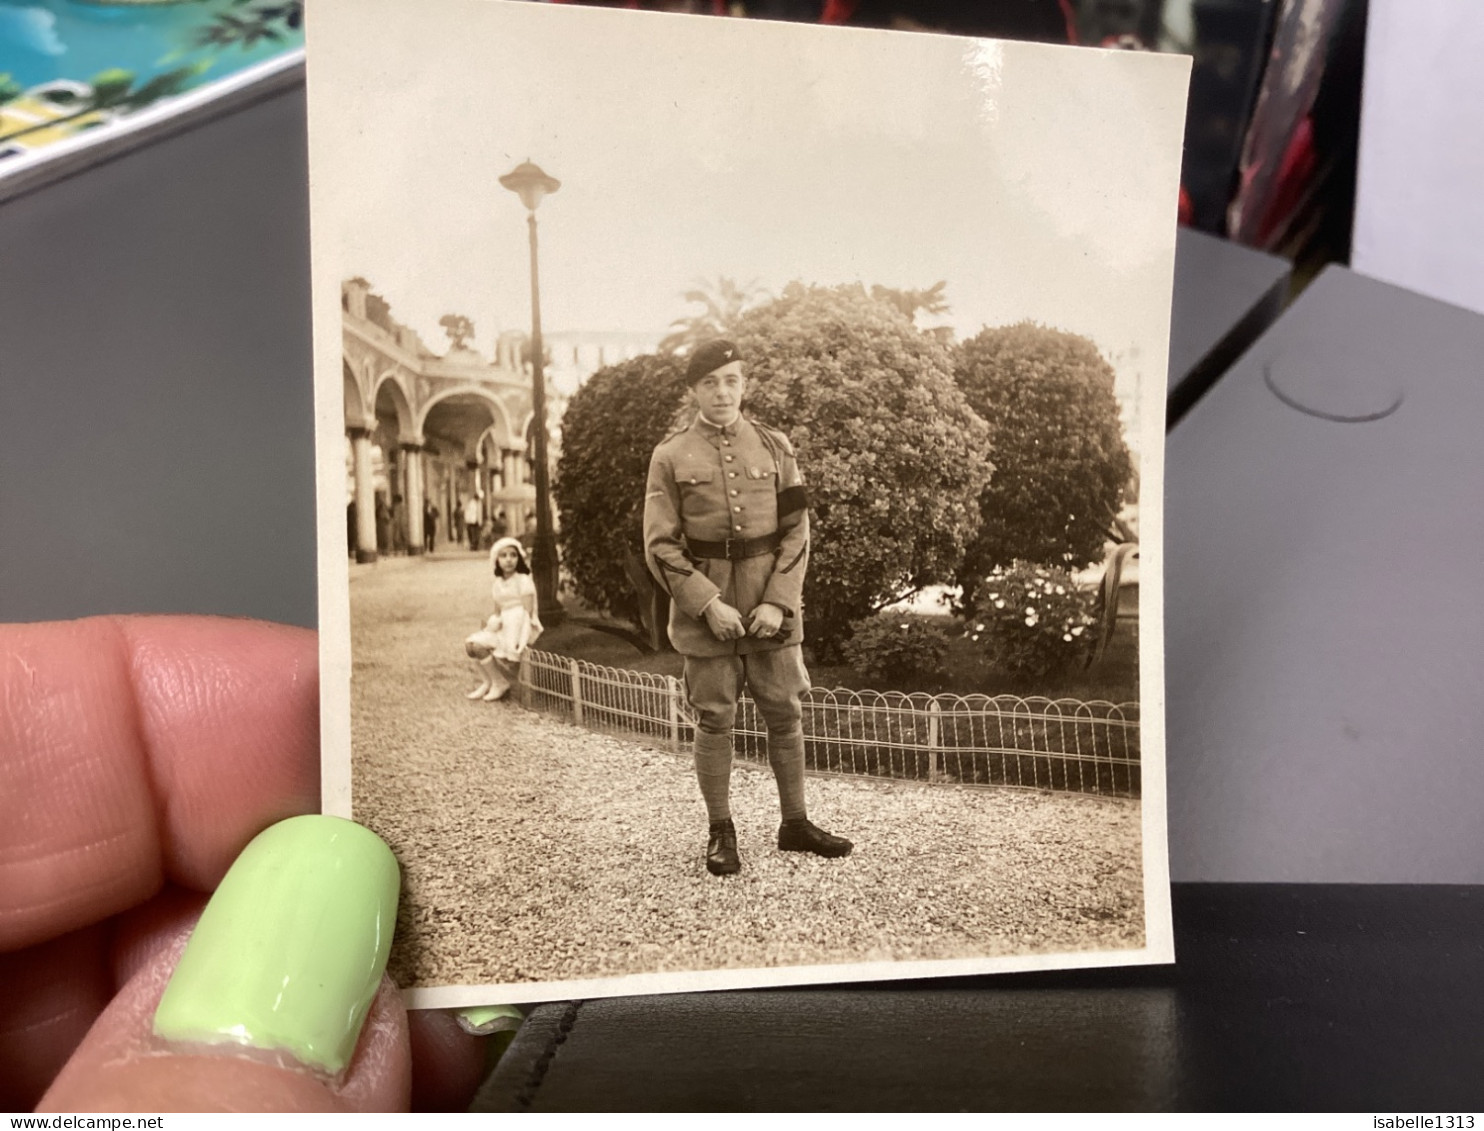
[[1054, 744]]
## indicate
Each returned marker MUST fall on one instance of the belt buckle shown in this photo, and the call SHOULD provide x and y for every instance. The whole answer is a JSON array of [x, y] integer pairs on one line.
[[727, 549]]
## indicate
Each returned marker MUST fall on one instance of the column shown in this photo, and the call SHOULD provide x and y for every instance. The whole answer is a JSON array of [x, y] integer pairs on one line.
[[360, 439], [412, 456]]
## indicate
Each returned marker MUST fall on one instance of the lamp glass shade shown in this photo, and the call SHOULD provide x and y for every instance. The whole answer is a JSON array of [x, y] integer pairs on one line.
[[531, 184]]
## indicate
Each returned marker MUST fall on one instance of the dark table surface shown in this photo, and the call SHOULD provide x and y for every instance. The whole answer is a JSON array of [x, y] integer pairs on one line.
[[1303, 997]]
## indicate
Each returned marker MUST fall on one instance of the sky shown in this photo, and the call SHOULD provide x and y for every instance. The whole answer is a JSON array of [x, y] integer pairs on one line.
[[1038, 182]]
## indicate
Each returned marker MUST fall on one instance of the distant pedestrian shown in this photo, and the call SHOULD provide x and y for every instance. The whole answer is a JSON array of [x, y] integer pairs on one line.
[[383, 523], [430, 525], [528, 535], [471, 520], [399, 525]]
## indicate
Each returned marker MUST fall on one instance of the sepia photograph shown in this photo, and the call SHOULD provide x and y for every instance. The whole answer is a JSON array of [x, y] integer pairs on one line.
[[740, 453]]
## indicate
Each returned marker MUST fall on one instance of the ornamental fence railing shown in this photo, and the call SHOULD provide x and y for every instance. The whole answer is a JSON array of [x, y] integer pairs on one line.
[[1052, 744]]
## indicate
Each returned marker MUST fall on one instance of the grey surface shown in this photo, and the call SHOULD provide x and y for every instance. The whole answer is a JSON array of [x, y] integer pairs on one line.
[[156, 420], [1225, 296], [1324, 624]]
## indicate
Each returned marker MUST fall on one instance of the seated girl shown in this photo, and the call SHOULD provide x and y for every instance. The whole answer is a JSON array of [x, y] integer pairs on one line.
[[497, 647]]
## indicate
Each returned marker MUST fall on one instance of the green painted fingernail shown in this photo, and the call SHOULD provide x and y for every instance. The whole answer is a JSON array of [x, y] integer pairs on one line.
[[482, 1020], [290, 950]]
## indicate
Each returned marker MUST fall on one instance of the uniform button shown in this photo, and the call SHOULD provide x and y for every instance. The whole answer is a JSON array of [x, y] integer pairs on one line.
[[737, 509], [729, 459], [738, 529], [734, 490], [732, 474]]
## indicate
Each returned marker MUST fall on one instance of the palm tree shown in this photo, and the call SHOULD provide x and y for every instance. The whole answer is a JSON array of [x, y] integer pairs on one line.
[[273, 22], [909, 300], [459, 329], [722, 306]]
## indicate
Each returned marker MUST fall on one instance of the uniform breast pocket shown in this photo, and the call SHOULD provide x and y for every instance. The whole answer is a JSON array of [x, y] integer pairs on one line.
[[762, 480], [697, 486]]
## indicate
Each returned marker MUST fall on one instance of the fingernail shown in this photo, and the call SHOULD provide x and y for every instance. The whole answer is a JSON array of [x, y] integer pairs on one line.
[[483, 1020], [290, 950]]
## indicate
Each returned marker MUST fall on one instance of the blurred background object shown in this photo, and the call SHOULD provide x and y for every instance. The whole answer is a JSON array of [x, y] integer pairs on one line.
[[1419, 219]]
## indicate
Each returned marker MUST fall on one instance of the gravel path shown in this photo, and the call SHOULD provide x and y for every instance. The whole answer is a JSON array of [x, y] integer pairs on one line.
[[536, 851]]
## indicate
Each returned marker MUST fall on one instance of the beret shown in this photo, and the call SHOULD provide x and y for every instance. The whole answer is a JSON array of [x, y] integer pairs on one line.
[[708, 356]]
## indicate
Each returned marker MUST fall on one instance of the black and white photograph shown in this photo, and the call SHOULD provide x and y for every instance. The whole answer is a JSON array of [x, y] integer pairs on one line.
[[740, 468]]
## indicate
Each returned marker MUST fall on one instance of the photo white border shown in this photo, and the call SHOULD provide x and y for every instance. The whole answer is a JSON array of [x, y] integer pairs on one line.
[[335, 629]]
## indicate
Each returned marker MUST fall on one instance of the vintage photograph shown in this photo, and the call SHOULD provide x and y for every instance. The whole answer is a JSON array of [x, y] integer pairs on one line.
[[740, 459]]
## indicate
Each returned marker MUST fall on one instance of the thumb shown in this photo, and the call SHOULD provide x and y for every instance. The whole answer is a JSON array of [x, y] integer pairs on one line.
[[278, 1001]]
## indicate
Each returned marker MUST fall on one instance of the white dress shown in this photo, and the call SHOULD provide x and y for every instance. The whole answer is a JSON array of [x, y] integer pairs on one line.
[[513, 627]]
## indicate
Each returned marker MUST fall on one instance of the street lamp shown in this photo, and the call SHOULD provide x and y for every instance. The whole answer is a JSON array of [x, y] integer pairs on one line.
[[528, 182]]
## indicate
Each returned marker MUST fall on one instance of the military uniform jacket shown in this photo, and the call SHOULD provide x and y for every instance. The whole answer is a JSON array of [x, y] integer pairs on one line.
[[716, 484]]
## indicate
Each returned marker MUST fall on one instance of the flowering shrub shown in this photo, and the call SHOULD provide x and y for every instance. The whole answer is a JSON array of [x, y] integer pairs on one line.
[[898, 649], [1032, 621]]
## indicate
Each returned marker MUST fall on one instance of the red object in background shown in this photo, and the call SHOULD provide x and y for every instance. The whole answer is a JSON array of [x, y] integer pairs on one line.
[[1278, 151], [1069, 14], [837, 11], [1295, 174], [1187, 208]]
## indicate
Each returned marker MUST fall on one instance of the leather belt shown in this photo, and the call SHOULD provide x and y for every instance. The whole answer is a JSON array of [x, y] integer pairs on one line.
[[734, 549]]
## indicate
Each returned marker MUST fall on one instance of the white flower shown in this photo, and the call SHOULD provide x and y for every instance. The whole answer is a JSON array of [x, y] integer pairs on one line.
[[979, 628], [993, 596], [1031, 622], [974, 637], [1067, 637], [1030, 610], [999, 604], [905, 626], [1061, 589], [1078, 631]]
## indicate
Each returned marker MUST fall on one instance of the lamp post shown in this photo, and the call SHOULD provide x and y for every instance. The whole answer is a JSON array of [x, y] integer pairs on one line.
[[528, 182]]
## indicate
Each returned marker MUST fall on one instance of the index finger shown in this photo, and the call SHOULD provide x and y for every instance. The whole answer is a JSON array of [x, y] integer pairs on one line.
[[139, 749]]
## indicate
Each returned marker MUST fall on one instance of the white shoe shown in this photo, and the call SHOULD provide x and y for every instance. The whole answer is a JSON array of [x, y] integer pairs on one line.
[[478, 692], [493, 696]]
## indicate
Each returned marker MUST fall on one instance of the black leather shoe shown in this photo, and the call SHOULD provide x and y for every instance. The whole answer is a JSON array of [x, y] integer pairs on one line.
[[803, 836], [721, 850]]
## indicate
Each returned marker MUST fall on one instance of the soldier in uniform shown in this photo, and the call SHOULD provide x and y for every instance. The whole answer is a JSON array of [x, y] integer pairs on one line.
[[726, 533]]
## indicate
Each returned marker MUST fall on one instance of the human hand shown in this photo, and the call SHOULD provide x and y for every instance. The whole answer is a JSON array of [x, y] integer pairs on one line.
[[766, 621], [724, 621], [137, 757]]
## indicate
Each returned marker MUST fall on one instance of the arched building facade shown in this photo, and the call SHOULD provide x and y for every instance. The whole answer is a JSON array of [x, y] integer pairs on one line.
[[423, 428]]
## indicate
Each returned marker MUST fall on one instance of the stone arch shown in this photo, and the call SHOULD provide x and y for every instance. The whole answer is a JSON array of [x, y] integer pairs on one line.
[[356, 415], [528, 418], [401, 405], [501, 416]]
